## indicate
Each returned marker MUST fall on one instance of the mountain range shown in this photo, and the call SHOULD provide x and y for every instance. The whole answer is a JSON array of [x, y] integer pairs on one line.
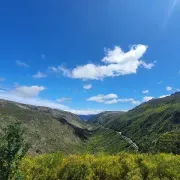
[[153, 126]]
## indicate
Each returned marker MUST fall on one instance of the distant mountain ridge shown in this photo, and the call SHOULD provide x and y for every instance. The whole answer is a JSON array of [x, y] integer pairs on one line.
[[86, 117]]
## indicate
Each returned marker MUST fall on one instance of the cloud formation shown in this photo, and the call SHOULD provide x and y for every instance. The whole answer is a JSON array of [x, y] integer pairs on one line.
[[28, 91], [145, 91], [169, 88], [111, 99], [63, 99], [171, 9], [29, 95], [147, 98], [39, 75], [163, 96], [88, 86], [116, 63], [22, 64]]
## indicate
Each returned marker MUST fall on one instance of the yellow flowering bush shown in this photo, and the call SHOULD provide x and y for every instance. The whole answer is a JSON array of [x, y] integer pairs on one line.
[[123, 166]]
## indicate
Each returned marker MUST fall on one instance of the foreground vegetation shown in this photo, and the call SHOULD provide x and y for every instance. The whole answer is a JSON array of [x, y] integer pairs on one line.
[[89, 164], [91, 151], [121, 166]]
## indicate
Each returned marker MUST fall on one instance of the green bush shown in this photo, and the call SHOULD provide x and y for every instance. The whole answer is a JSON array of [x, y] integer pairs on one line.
[[12, 150], [123, 166], [41, 167]]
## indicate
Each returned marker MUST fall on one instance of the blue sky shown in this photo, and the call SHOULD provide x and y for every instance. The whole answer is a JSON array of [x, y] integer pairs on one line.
[[89, 56]]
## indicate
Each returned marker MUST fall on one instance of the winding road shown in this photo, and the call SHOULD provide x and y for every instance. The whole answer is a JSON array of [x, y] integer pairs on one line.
[[133, 144]]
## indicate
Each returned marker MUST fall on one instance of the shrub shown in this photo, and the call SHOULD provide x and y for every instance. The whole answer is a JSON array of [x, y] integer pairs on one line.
[[41, 167], [123, 166], [12, 150]]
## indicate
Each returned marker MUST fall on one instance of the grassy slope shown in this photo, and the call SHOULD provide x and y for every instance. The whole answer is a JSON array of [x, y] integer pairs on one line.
[[106, 117], [154, 126], [106, 141], [46, 129]]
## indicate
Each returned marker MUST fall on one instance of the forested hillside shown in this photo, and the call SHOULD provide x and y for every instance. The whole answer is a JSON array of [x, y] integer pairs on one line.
[[154, 125], [47, 130]]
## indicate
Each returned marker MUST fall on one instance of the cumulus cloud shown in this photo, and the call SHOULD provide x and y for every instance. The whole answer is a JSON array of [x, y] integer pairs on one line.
[[39, 75], [116, 63], [63, 99], [28, 91], [169, 88], [111, 99], [88, 86], [22, 64], [145, 91], [147, 98]]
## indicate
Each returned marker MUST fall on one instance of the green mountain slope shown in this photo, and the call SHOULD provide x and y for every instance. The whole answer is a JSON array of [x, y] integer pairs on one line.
[[106, 117], [47, 130], [154, 125]]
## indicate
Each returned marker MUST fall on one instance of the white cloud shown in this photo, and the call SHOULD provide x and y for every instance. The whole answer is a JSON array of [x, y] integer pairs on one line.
[[169, 88], [111, 99], [145, 91], [88, 86], [102, 98], [116, 63], [39, 75], [60, 69], [12, 96], [147, 98], [171, 9], [163, 96], [130, 100], [85, 112], [63, 99], [54, 69], [22, 64], [2, 79], [147, 66], [28, 91]]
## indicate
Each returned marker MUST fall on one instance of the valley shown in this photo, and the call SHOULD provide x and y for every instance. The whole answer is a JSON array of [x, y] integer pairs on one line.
[[150, 127], [136, 144]]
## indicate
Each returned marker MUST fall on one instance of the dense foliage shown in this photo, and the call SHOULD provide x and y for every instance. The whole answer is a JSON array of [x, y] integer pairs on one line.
[[104, 141], [91, 167], [12, 150], [154, 125]]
